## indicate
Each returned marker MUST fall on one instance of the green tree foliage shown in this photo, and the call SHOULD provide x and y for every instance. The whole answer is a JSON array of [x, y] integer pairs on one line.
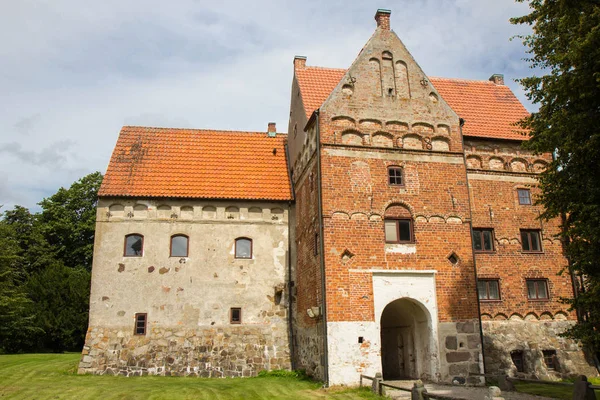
[[68, 221], [61, 297], [45, 264], [17, 328], [565, 47]]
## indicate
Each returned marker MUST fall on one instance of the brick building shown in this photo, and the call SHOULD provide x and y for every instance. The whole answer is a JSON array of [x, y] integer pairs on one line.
[[395, 233]]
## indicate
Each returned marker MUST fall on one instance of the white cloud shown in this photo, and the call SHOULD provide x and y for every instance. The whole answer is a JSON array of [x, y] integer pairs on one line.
[[74, 71]]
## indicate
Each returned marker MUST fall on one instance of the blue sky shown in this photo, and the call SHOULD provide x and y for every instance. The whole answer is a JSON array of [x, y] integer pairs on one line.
[[75, 71]]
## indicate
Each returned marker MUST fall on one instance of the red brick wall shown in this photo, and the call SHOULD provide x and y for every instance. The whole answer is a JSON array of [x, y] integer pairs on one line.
[[355, 196], [496, 205]]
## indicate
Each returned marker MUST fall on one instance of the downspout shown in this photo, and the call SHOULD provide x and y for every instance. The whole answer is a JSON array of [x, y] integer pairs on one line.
[[322, 254], [462, 138], [289, 261]]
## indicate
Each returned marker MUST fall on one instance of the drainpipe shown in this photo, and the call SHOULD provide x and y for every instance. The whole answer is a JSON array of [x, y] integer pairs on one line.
[[462, 138], [289, 260], [322, 254]]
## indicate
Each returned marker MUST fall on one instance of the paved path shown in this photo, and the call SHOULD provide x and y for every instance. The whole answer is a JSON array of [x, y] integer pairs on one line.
[[466, 393]]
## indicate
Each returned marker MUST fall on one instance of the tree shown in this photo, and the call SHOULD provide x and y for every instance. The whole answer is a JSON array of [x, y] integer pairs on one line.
[[565, 47], [68, 221], [17, 327], [45, 264]]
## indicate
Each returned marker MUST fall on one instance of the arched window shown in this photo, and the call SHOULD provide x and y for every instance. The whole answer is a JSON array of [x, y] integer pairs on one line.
[[134, 245], [243, 248], [180, 245]]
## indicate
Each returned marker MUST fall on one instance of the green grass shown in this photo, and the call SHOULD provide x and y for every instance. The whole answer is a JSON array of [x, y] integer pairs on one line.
[[557, 392], [52, 376]]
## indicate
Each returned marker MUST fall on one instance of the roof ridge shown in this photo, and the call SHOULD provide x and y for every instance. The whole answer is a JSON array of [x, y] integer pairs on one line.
[[466, 80], [198, 130], [327, 68]]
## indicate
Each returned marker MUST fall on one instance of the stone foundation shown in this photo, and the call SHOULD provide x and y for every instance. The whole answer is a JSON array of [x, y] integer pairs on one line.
[[309, 350], [460, 348], [205, 352], [532, 338]]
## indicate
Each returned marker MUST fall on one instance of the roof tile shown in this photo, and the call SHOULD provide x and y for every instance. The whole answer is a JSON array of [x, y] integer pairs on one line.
[[194, 163], [489, 110]]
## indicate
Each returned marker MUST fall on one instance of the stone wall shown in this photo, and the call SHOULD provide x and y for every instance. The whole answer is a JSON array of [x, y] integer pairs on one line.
[[188, 299], [501, 338], [236, 351], [461, 352]]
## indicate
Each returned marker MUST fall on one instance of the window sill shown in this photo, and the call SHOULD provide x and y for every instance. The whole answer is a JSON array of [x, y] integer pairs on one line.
[[490, 301], [485, 251], [538, 300], [401, 248], [531, 252]]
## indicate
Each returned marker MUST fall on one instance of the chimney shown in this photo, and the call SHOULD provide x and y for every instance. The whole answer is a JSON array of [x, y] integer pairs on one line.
[[382, 17], [498, 79], [299, 62], [272, 130]]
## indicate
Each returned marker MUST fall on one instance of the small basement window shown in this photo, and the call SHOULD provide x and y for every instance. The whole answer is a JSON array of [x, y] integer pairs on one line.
[[235, 315], [134, 245], [524, 196], [517, 359], [550, 359], [243, 248], [140, 324], [179, 246]]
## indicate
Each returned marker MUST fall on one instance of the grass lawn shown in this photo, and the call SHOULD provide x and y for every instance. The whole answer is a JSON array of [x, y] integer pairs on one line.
[[557, 392], [52, 376]]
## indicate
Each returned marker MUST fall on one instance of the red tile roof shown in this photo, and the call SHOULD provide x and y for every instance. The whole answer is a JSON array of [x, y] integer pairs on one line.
[[489, 110], [316, 84], [194, 163]]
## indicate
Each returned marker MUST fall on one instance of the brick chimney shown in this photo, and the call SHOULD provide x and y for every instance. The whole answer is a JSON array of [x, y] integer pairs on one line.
[[383, 19], [498, 79], [272, 130], [299, 62]]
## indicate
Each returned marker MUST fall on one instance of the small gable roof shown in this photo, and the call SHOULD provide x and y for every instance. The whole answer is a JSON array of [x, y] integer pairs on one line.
[[489, 110], [195, 163]]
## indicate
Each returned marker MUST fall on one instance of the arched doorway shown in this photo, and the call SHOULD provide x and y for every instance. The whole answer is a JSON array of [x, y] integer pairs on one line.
[[405, 340]]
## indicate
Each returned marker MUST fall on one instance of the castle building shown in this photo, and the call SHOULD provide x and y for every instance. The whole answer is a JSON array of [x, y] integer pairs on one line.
[[393, 229]]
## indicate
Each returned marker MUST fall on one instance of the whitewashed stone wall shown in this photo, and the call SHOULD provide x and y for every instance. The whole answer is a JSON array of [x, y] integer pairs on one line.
[[188, 299]]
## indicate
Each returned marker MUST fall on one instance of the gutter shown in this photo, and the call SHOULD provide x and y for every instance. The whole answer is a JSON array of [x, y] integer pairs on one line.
[[322, 252], [462, 138]]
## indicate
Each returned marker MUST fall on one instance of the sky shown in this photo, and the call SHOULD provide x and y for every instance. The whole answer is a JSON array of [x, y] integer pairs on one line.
[[73, 72]]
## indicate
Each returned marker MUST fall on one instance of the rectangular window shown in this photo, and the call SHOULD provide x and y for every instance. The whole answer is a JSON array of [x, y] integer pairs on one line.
[[550, 359], [530, 240], [537, 289], [517, 359], [489, 289], [140, 324], [395, 176], [398, 231], [235, 315], [483, 239], [524, 196]]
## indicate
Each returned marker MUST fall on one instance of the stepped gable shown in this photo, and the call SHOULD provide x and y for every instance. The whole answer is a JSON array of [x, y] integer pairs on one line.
[[490, 110], [194, 163]]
